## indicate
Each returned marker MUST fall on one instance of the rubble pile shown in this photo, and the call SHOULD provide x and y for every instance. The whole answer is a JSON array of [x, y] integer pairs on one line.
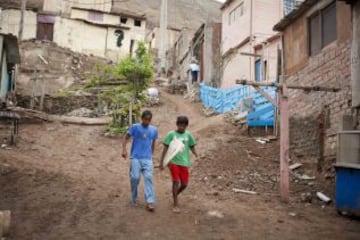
[[236, 117], [177, 87]]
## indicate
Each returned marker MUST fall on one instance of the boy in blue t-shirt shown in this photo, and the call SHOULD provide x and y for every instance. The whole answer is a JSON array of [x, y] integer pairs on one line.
[[144, 138]]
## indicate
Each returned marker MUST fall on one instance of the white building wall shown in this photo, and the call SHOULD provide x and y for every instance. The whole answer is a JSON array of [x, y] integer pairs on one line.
[[10, 22], [67, 34]]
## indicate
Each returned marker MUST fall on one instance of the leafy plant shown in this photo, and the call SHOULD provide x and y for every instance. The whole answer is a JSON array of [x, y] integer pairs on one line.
[[125, 101]]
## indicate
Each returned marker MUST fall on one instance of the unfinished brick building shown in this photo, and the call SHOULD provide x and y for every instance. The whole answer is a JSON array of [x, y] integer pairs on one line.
[[317, 51]]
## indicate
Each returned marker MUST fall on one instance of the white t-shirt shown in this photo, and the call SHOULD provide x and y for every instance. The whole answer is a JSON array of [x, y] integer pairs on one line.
[[194, 67]]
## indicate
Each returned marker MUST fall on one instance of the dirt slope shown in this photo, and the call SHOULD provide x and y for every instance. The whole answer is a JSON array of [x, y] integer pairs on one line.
[[69, 182]]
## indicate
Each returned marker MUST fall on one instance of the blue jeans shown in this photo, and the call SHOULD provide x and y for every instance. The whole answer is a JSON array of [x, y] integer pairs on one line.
[[144, 166]]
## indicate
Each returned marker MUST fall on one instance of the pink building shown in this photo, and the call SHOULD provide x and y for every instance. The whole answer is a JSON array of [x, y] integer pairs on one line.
[[249, 45]]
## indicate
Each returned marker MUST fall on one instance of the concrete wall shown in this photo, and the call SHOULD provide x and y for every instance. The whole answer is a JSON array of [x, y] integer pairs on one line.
[[314, 111], [53, 6], [212, 54], [154, 38], [236, 32], [236, 67], [10, 22], [269, 53], [265, 14], [67, 34], [355, 56], [84, 14], [100, 5]]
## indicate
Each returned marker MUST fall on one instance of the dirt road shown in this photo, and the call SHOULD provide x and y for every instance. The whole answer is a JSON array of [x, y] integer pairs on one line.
[[69, 182]]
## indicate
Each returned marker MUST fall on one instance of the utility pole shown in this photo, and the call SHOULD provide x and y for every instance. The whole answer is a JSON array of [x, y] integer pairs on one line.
[[163, 34], [22, 16]]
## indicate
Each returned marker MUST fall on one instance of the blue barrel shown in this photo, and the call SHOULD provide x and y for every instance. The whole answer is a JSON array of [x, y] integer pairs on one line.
[[348, 188]]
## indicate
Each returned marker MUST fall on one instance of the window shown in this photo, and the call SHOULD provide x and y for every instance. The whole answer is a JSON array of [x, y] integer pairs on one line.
[[96, 16], [137, 23], [236, 13], [322, 29], [123, 20]]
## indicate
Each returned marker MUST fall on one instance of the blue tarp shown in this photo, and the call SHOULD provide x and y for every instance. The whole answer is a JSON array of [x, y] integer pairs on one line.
[[223, 100], [226, 100]]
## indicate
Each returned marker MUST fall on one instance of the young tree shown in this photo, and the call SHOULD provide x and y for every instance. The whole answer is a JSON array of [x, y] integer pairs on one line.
[[126, 100]]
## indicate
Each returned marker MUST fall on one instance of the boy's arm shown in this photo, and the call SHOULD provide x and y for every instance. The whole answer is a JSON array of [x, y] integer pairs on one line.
[[193, 150], [125, 142], [166, 147]]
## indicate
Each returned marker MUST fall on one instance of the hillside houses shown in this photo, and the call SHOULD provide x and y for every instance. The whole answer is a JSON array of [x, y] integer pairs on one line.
[[105, 32]]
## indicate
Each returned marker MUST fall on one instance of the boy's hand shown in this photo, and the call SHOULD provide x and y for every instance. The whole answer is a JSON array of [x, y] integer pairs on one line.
[[124, 154]]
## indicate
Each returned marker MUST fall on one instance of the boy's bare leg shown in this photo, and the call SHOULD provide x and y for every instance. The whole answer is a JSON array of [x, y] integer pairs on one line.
[[176, 191], [182, 188]]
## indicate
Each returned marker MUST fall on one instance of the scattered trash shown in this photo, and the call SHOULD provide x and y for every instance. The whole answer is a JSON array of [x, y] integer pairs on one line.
[[82, 112], [152, 97], [292, 214], [264, 139], [216, 214], [209, 112], [323, 197], [215, 193], [261, 141], [237, 190], [3, 145], [305, 177], [306, 197], [295, 166]]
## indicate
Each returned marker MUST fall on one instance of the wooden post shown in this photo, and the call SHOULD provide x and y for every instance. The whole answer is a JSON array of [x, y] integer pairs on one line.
[[284, 144], [22, 16], [43, 87], [33, 90]]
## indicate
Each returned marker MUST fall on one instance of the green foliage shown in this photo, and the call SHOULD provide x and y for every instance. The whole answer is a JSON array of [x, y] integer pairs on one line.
[[137, 72], [103, 74]]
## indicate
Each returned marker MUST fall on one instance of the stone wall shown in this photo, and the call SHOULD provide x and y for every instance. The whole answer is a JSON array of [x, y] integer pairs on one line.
[[61, 105]]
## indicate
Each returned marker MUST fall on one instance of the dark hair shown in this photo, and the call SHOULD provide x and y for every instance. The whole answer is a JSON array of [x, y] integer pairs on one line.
[[182, 120], [146, 114]]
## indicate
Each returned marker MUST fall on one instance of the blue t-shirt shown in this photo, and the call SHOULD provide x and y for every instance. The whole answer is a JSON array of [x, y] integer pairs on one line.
[[143, 138]]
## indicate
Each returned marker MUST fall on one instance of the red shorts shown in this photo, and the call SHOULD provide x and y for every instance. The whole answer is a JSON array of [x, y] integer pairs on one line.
[[179, 173]]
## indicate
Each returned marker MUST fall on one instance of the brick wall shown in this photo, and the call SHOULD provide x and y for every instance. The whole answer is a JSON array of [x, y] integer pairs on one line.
[[311, 112]]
